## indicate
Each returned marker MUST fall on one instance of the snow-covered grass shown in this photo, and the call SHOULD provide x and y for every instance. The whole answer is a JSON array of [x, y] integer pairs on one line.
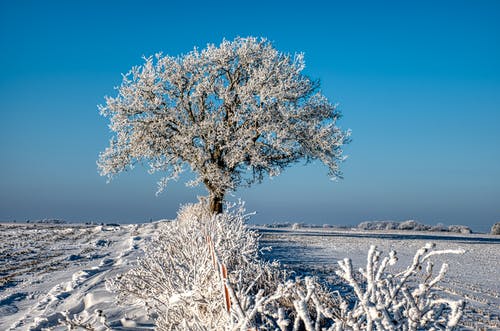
[[55, 276]]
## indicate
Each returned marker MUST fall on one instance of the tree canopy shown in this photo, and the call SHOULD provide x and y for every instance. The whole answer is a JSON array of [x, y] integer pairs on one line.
[[232, 113]]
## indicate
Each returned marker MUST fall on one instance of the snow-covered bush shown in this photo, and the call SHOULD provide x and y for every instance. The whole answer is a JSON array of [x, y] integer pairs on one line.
[[413, 225], [440, 227], [495, 229], [463, 229], [398, 301], [384, 299], [378, 225], [296, 304], [203, 272], [181, 279]]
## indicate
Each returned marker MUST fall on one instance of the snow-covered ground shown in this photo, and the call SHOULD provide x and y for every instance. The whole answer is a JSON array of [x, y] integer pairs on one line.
[[474, 276], [50, 270], [53, 272]]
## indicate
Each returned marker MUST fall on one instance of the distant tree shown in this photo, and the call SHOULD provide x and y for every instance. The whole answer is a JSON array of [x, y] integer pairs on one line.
[[233, 114]]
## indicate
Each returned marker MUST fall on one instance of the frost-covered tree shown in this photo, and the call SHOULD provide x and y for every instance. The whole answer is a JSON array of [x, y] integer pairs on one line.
[[233, 113]]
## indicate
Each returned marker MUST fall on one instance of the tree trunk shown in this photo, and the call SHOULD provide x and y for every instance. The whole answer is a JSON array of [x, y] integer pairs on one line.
[[216, 198], [216, 201]]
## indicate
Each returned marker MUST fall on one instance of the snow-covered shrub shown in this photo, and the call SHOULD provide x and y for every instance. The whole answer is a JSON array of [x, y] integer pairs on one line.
[[440, 227], [378, 225], [463, 229], [384, 299], [181, 279], [495, 229], [297, 304], [203, 272], [297, 226], [413, 225], [398, 301], [279, 225]]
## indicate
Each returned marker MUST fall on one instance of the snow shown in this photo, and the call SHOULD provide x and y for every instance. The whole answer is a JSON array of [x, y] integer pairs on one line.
[[473, 276], [48, 272], [52, 272]]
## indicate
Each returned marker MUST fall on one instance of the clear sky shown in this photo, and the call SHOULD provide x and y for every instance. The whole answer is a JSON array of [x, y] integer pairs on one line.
[[418, 83]]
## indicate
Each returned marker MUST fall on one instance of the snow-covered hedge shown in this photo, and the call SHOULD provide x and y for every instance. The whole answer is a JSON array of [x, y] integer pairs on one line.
[[203, 272], [463, 229], [411, 225], [378, 225]]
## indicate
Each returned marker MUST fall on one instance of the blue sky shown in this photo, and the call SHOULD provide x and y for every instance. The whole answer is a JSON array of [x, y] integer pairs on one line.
[[418, 83]]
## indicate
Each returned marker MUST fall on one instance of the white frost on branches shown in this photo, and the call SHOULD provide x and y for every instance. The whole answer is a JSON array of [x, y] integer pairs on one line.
[[203, 272], [233, 113], [179, 282], [402, 301]]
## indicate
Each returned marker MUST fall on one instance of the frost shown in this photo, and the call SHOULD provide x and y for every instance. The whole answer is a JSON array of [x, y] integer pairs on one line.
[[401, 301], [204, 272], [232, 113], [180, 279]]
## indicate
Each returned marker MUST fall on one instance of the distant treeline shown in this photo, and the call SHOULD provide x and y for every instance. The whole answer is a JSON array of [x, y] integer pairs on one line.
[[409, 225], [412, 225]]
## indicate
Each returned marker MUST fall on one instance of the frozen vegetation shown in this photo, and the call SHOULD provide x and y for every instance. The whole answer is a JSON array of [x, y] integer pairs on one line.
[[412, 225], [409, 225], [204, 272], [232, 114]]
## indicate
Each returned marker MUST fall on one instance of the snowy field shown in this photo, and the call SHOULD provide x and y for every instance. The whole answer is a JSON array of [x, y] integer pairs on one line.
[[474, 276], [50, 273], [47, 270]]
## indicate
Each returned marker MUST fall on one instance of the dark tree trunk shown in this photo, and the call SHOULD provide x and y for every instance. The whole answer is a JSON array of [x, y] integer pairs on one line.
[[216, 203], [216, 198]]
